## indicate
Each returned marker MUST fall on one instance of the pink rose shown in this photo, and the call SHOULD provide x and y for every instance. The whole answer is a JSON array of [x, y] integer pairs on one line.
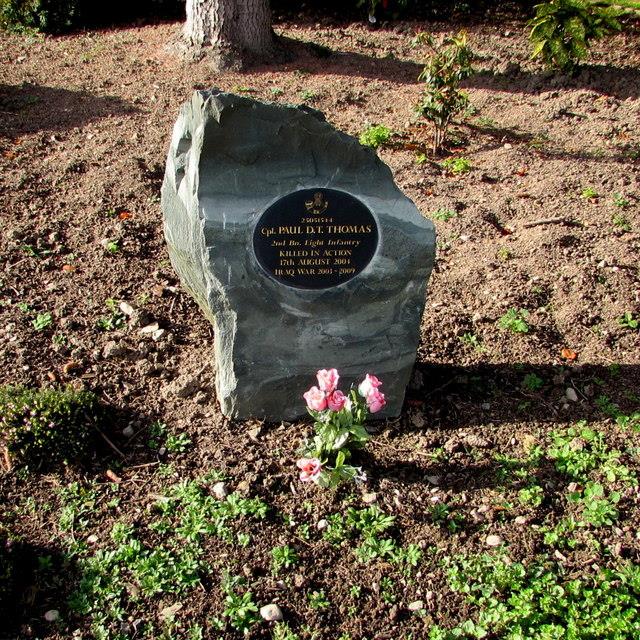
[[368, 384], [337, 401], [316, 399], [310, 469], [328, 380], [375, 400]]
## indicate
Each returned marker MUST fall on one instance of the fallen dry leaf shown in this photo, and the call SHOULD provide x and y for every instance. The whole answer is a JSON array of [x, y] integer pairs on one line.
[[568, 354], [125, 215], [68, 267], [70, 366]]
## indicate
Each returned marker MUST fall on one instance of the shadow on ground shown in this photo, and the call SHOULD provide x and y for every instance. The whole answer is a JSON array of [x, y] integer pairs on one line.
[[619, 82], [35, 580], [457, 396], [29, 108]]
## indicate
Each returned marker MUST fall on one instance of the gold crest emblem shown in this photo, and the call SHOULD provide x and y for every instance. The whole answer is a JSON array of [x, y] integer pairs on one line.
[[318, 205]]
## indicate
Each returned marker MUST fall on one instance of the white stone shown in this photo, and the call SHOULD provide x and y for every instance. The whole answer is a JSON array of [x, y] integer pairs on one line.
[[322, 524], [493, 540], [52, 615], [571, 394], [271, 612], [150, 328], [128, 431], [416, 605], [127, 309], [220, 490]]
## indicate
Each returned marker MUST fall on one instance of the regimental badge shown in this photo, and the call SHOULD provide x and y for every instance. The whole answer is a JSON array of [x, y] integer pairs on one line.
[[318, 205]]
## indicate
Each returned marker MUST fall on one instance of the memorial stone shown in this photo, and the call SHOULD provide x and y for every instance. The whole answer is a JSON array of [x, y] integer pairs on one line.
[[299, 248]]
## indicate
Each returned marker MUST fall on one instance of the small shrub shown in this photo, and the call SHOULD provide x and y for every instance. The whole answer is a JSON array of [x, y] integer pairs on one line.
[[375, 136], [442, 99], [46, 426], [562, 30]]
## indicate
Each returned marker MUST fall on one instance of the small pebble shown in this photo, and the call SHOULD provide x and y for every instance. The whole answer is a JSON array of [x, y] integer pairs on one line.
[[52, 615], [92, 539], [220, 490], [571, 394], [493, 540], [416, 605], [128, 431], [369, 498], [127, 309], [150, 328], [271, 613], [322, 524], [521, 520]]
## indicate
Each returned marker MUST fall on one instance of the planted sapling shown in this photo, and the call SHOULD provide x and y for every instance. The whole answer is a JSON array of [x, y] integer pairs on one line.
[[442, 98]]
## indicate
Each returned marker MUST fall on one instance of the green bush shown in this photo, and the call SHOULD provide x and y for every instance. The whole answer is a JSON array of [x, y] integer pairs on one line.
[[45, 427], [55, 16], [562, 30], [38, 15]]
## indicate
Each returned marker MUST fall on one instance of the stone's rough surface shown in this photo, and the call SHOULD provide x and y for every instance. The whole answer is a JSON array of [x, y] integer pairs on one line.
[[232, 158]]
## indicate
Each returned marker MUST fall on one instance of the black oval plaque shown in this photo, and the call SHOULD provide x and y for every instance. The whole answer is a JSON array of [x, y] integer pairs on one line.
[[315, 238]]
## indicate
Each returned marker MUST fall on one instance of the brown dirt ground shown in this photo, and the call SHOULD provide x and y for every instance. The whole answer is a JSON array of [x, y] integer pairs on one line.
[[84, 129]]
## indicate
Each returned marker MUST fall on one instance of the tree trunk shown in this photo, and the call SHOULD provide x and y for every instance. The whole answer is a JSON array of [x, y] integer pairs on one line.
[[233, 32]]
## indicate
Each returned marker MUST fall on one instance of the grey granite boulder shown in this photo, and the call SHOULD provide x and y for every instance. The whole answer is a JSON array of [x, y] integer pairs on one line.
[[299, 248]]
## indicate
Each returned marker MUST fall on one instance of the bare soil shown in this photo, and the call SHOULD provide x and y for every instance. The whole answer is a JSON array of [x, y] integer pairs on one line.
[[84, 129]]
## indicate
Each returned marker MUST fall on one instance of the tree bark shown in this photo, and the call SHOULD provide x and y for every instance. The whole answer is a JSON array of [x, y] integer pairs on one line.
[[233, 32]]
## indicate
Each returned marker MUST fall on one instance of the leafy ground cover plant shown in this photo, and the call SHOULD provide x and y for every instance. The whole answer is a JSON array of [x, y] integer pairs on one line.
[[375, 136], [563, 30], [165, 556], [44, 427], [442, 98], [339, 427], [629, 321], [540, 601], [456, 166], [515, 320]]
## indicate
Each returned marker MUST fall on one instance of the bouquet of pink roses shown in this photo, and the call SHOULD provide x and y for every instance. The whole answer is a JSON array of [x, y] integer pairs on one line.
[[339, 427]]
